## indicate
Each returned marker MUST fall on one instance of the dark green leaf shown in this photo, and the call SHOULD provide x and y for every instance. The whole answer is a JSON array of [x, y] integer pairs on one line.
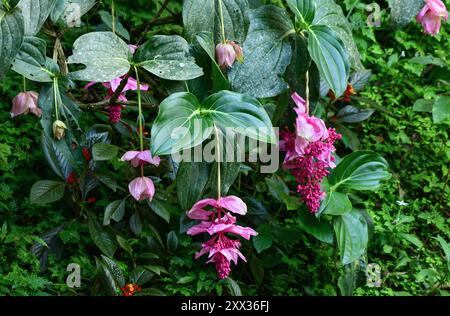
[[352, 236], [104, 152], [441, 110], [114, 210], [335, 203], [11, 37], [351, 114], [47, 191], [172, 241], [188, 173], [120, 30], [321, 229], [267, 54], [304, 10], [102, 237], [35, 12], [330, 57]]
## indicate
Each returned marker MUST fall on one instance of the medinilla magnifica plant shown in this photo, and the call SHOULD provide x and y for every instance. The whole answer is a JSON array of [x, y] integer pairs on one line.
[[116, 110]]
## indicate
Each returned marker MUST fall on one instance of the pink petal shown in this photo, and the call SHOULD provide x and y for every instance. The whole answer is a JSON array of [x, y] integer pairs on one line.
[[198, 229], [19, 105], [133, 48], [245, 232], [147, 157], [300, 102], [197, 211], [142, 188], [129, 155], [233, 204], [90, 84]]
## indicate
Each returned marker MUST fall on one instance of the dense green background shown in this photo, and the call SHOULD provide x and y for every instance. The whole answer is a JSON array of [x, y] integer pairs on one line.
[[404, 240]]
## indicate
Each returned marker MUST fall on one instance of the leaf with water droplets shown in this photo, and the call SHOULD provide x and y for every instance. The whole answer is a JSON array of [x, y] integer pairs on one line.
[[267, 54], [403, 11], [105, 55], [168, 57], [35, 12]]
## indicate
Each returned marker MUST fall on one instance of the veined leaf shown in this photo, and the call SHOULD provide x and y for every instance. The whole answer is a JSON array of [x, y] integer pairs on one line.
[[35, 12], [47, 191], [304, 10], [11, 37]]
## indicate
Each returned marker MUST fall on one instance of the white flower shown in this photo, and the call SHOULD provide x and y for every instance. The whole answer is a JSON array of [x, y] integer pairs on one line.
[[402, 203]]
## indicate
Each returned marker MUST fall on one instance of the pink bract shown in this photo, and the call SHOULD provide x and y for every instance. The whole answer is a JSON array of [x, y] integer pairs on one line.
[[139, 158]]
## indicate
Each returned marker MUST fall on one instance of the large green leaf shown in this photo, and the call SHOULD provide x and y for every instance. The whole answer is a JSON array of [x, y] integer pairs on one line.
[[330, 14], [351, 235], [304, 10], [198, 16], [105, 55], [335, 203], [403, 11], [111, 273], [351, 114], [31, 60], [168, 57], [11, 37], [184, 123], [104, 152], [267, 54], [329, 55], [114, 210], [361, 170], [69, 12], [47, 191], [203, 16], [35, 12], [319, 228]]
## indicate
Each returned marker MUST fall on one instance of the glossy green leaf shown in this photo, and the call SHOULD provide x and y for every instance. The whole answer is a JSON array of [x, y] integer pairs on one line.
[[47, 191], [172, 241], [304, 10], [329, 13], [267, 54], [107, 20], [102, 237], [11, 37], [188, 173], [168, 57], [31, 60], [335, 203], [351, 114], [319, 228], [114, 210], [352, 236], [184, 123], [35, 12], [161, 208], [330, 57], [361, 170], [105, 55]]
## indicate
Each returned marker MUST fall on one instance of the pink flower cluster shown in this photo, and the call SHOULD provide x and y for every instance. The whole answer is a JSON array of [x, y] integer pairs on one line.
[[431, 15], [217, 222], [309, 154], [141, 188], [115, 111]]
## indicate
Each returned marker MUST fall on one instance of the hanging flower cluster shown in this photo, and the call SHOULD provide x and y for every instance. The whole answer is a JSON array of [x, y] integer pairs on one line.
[[115, 111], [309, 154], [141, 188], [431, 15], [217, 222]]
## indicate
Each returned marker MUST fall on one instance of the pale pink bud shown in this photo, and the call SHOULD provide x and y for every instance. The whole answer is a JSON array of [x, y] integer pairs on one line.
[[24, 103], [238, 51], [142, 188], [430, 16], [226, 55]]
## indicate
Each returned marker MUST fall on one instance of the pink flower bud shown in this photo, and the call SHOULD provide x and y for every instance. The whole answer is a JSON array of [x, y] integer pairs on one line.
[[142, 188], [226, 55], [430, 16], [24, 103]]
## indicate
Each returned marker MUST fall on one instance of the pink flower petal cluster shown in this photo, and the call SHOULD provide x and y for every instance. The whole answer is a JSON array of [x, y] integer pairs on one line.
[[24, 103], [431, 15], [227, 53], [141, 188], [309, 154], [217, 222]]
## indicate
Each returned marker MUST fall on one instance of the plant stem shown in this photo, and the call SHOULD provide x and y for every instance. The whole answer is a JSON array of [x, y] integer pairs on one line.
[[55, 96], [141, 129], [113, 15], [219, 180], [222, 24], [307, 92], [24, 84]]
